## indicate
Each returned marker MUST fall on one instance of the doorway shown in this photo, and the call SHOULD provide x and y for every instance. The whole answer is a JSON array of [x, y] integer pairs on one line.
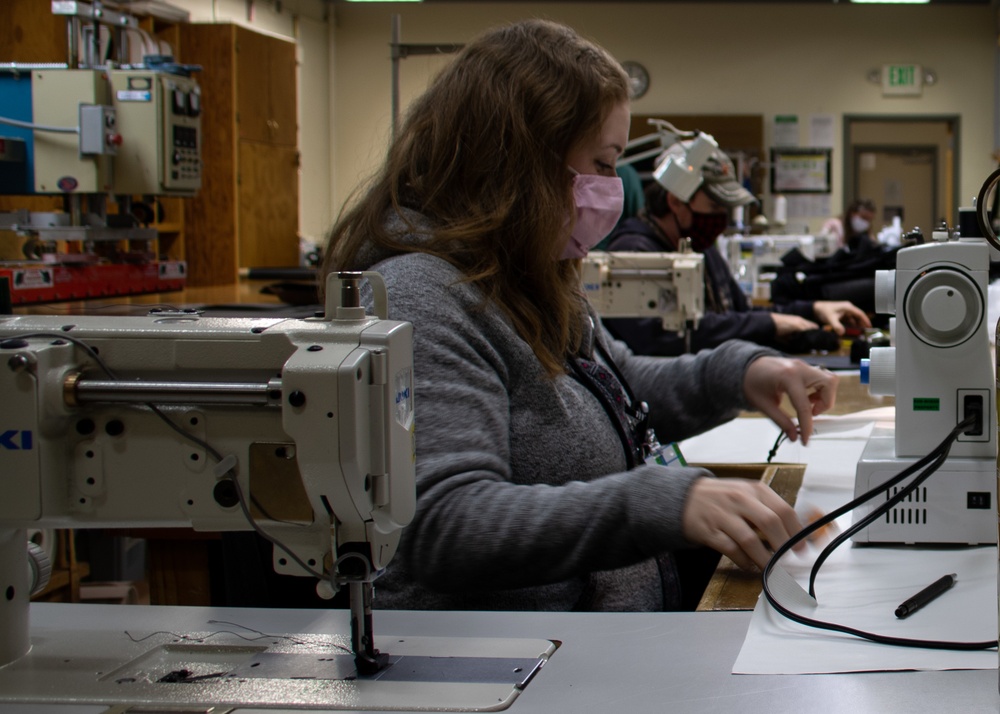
[[907, 165], [903, 182]]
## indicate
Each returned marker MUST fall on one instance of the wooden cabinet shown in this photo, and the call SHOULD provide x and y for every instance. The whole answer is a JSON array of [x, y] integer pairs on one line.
[[30, 32], [246, 214]]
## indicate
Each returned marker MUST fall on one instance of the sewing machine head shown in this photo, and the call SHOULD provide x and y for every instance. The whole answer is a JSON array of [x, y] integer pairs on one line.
[[299, 429], [669, 286]]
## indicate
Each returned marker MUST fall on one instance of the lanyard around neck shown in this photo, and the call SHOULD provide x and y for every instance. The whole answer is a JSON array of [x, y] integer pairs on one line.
[[631, 422]]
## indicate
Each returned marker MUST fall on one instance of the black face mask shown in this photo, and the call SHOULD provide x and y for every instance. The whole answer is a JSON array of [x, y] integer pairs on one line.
[[705, 229]]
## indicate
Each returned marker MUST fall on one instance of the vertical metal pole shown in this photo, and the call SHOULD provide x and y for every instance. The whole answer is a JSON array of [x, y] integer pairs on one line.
[[72, 43]]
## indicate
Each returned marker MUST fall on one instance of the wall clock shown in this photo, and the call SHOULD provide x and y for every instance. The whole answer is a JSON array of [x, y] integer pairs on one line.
[[638, 77]]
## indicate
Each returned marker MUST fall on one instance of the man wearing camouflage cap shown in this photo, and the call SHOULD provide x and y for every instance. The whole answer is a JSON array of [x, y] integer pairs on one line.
[[686, 201]]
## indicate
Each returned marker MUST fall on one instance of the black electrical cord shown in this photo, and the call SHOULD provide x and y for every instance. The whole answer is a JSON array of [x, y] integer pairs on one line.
[[930, 463], [777, 442]]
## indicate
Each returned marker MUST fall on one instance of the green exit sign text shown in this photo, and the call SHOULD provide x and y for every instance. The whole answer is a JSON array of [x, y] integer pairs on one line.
[[902, 79]]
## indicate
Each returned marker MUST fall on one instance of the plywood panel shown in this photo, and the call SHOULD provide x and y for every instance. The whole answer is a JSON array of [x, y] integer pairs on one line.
[[282, 98], [29, 32], [210, 220], [268, 229], [265, 87]]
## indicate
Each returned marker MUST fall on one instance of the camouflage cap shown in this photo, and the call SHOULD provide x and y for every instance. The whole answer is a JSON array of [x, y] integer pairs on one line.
[[718, 176]]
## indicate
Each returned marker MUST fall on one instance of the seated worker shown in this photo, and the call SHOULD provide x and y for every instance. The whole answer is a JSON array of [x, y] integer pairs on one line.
[[728, 313], [532, 488], [853, 229]]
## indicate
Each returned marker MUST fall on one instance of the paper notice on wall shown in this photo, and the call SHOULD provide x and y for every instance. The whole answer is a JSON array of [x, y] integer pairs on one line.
[[808, 206], [821, 130], [785, 131]]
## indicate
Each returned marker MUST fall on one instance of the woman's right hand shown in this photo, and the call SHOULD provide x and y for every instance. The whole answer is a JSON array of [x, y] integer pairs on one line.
[[741, 518]]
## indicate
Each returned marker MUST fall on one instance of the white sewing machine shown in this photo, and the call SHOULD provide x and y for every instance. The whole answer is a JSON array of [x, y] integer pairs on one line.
[[754, 259], [940, 371], [300, 429], [666, 285]]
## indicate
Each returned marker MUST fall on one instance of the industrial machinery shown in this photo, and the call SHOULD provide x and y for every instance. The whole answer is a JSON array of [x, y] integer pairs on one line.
[[755, 259], [98, 134], [940, 370], [299, 429], [666, 285]]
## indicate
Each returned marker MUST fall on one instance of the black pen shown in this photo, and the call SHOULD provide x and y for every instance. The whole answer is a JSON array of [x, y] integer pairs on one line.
[[938, 587]]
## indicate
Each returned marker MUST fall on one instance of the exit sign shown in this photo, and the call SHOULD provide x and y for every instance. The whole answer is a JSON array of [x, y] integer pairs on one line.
[[902, 80]]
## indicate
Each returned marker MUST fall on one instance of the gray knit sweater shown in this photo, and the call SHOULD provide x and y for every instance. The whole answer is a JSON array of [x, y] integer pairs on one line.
[[524, 502]]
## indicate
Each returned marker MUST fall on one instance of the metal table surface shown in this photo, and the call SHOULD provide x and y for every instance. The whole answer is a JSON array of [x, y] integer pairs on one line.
[[634, 662]]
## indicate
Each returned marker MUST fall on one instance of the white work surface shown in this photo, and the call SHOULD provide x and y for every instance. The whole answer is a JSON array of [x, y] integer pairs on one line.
[[859, 587], [636, 662]]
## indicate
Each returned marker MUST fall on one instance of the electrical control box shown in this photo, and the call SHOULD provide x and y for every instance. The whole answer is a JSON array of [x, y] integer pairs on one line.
[[59, 97], [159, 119]]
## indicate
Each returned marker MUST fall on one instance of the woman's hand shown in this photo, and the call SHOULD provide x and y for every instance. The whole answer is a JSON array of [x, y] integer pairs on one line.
[[742, 519], [810, 390], [786, 325], [838, 313]]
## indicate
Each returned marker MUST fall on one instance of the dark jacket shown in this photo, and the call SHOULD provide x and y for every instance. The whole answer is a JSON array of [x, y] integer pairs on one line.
[[728, 312]]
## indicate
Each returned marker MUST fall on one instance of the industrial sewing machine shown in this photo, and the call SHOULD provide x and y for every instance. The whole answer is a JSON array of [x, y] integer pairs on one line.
[[940, 370], [97, 134], [755, 259], [666, 285], [302, 430]]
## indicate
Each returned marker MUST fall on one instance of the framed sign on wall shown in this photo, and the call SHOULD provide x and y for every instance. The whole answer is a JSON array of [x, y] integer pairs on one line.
[[800, 170]]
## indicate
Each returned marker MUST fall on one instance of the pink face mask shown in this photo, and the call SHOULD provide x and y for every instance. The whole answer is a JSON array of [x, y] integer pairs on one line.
[[599, 202]]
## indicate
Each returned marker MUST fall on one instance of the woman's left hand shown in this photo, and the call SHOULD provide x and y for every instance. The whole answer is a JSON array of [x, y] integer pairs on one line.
[[810, 390]]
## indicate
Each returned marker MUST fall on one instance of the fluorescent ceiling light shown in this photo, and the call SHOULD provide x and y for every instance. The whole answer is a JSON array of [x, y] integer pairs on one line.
[[891, 2]]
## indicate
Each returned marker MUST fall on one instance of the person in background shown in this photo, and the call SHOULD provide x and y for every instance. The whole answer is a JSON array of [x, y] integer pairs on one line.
[[535, 485], [729, 314], [853, 230], [634, 197]]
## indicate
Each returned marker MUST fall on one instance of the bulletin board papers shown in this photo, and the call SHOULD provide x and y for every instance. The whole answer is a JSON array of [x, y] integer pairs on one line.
[[808, 205], [800, 170]]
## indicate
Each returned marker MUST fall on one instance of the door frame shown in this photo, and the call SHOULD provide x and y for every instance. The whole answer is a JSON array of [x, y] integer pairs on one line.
[[858, 149], [951, 198]]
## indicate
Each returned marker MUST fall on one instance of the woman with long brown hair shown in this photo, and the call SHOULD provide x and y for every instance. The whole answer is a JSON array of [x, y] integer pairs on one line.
[[535, 484]]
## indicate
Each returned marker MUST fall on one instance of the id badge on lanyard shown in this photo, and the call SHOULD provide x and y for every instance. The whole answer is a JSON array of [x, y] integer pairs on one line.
[[664, 454]]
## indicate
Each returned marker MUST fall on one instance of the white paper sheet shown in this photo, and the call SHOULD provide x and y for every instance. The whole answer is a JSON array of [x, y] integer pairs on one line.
[[859, 587]]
